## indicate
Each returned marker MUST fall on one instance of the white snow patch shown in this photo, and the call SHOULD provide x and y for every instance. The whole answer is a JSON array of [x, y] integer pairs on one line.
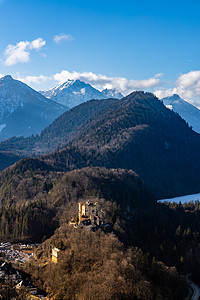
[[83, 91], [169, 107]]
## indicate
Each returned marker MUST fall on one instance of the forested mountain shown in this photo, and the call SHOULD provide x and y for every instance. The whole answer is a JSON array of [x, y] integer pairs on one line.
[[23, 111], [137, 132]]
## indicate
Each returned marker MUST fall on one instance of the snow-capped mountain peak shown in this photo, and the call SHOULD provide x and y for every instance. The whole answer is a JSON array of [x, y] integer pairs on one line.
[[56, 90], [73, 92]]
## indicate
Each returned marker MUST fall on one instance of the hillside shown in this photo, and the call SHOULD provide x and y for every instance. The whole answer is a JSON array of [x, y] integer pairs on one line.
[[95, 265], [33, 197]]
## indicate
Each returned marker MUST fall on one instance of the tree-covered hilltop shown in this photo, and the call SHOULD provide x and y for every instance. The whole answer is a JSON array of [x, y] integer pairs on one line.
[[33, 198], [95, 265]]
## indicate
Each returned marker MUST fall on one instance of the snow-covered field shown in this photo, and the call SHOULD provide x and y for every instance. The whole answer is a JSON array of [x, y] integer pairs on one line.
[[183, 199]]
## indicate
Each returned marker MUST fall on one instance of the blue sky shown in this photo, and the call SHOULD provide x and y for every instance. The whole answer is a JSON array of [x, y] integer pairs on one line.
[[128, 45]]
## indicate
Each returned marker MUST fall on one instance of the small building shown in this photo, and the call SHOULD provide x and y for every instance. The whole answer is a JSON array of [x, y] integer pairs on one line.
[[55, 255]]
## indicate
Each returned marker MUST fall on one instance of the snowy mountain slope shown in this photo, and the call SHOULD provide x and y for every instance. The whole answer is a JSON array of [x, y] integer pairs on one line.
[[112, 93], [74, 92], [187, 111], [23, 111]]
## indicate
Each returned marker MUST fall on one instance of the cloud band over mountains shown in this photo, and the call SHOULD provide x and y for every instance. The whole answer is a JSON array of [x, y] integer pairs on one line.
[[186, 86], [102, 81]]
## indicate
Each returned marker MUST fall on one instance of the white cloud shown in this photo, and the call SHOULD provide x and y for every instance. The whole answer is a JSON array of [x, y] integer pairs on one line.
[[189, 83], [21, 51], [35, 79], [187, 86], [61, 37], [101, 81], [37, 44], [158, 75], [162, 93]]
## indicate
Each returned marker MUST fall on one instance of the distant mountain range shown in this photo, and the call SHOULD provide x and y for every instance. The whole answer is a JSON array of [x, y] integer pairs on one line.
[[74, 92], [23, 111], [137, 132], [187, 111]]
